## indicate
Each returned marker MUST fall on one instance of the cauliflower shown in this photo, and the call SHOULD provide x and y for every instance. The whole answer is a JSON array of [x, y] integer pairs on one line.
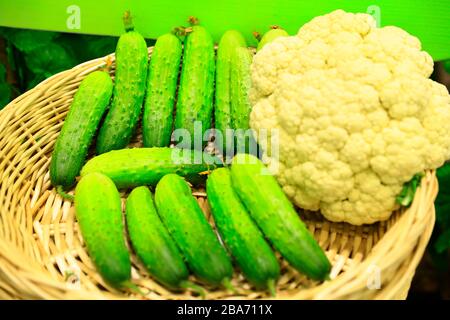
[[355, 112]]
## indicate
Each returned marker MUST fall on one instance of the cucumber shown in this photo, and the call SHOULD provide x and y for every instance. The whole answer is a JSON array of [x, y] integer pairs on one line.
[[277, 218], [162, 81], [271, 35], [194, 104], [152, 242], [129, 90], [89, 104], [240, 234], [240, 103], [146, 166], [230, 40], [99, 214], [183, 217]]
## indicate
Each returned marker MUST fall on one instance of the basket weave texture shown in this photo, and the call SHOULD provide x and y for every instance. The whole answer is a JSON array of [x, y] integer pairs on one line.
[[42, 255]]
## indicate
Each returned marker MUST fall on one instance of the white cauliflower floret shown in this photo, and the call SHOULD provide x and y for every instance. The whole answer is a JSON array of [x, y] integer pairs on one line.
[[356, 115]]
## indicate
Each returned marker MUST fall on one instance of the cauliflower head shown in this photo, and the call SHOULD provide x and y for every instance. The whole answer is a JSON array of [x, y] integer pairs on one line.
[[355, 114]]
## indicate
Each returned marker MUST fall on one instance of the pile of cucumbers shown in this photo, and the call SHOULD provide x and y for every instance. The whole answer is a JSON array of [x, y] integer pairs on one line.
[[171, 235], [164, 222]]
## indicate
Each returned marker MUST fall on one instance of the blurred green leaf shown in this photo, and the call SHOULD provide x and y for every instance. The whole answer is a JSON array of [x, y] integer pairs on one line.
[[99, 47], [5, 94], [2, 72], [5, 90], [10, 55], [49, 59], [440, 260], [36, 55], [36, 80], [443, 173], [442, 205], [443, 212], [443, 242], [447, 66], [7, 33], [27, 40], [87, 47]]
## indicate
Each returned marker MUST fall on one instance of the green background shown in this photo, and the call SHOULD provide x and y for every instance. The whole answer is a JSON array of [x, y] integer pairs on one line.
[[427, 19]]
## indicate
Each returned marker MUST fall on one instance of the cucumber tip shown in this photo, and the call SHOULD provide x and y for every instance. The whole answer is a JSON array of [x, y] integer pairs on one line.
[[195, 288], [272, 287], [226, 282], [63, 194]]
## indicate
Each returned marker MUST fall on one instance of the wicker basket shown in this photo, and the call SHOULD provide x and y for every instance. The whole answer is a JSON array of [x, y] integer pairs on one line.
[[42, 255]]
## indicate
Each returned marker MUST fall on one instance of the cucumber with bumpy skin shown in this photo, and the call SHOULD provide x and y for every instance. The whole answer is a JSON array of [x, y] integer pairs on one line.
[[99, 214], [271, 35], [146, 166], [183, 217], [162, 80], [195, 96], [229, 41], [240, 103], [152, 242], [129, 90], [277, 218], [86, 110], [240, 234]]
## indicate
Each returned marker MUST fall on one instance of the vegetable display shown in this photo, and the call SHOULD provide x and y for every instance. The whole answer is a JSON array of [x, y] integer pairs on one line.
[[355, 114], [157, 120], [196, 88], [86, 110], [99, 214], [187, 224], [129, 89], [356, 122], [245, 241]]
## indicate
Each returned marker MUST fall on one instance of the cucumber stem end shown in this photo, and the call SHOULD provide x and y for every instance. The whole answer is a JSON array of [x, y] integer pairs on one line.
[[128, 21], [133, 287], [63, 194], [193, 21], [195, 288], [271, 287], [257, 35], [226, 282]]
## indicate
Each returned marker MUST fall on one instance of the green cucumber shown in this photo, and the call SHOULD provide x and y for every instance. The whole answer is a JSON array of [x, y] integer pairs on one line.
[[88, 106], [129, 90], [195, 96], [240, 234], [240, 103], [152, 242], [276, 217], [230, 40], [99, 213], [271, 35], [146, 166], [162, 81], [183, 217]]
